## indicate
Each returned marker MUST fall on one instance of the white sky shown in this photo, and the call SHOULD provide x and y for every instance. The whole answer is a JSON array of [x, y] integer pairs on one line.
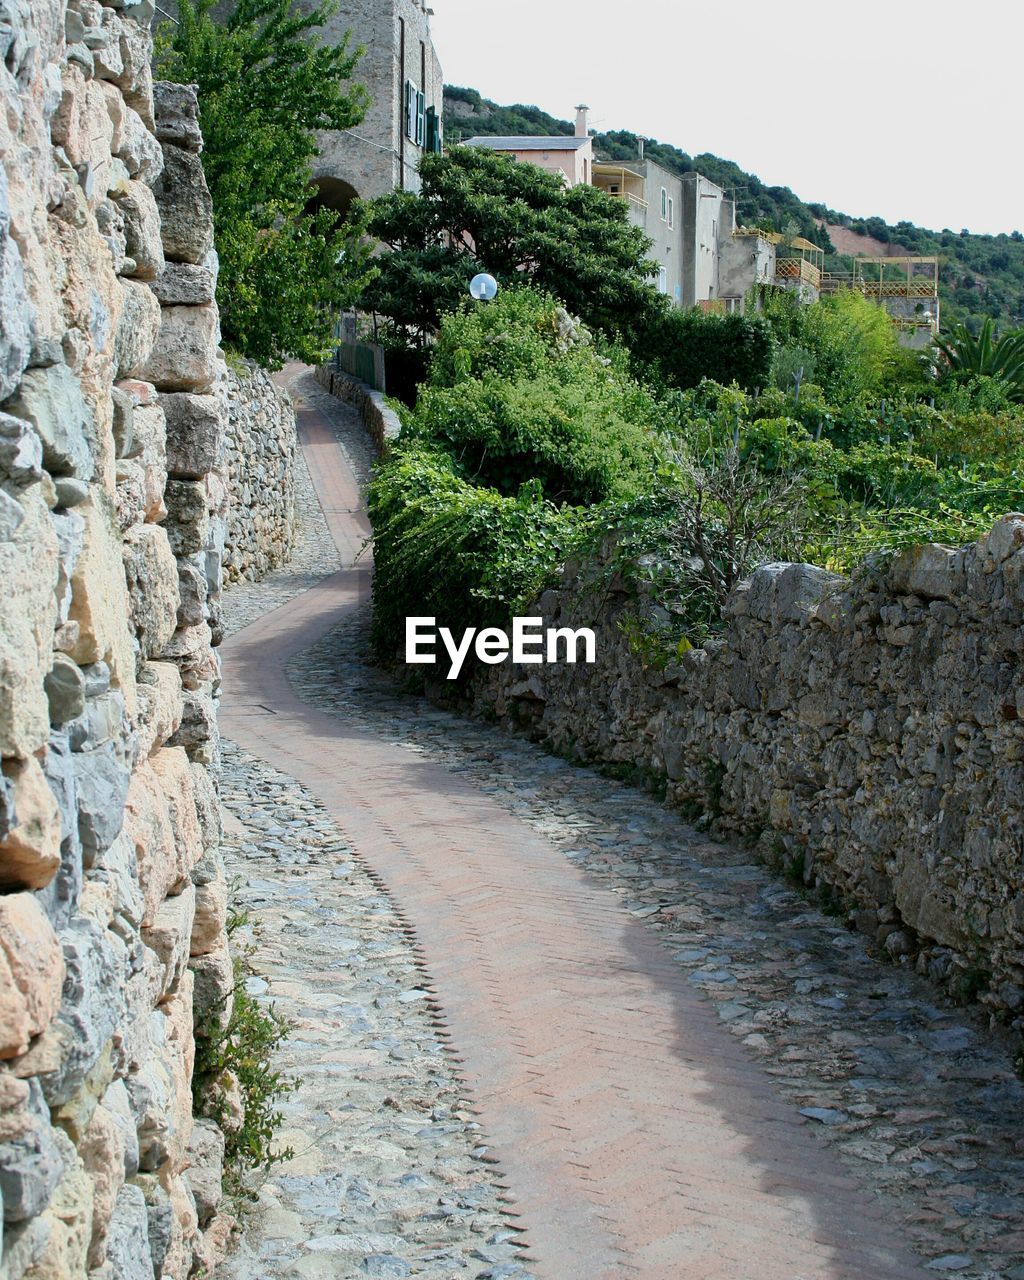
[[901, 108]]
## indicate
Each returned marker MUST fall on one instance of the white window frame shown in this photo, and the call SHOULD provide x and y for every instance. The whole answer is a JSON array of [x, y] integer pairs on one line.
[[664, 204], [671, 212], [663, 280]]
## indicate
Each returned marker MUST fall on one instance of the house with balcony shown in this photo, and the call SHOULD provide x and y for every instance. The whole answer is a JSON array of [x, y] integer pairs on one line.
[[654, 202]]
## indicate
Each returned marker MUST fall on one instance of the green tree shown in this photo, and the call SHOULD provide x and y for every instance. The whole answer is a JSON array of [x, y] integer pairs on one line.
[[966, 358], [482, 211], [266, 85]]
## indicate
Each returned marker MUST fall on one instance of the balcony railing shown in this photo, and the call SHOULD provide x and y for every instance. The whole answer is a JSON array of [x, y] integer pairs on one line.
[[833, 281], [634, 201], [798, 269]]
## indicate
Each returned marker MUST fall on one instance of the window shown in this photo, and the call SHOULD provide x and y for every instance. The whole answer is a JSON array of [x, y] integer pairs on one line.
[[664, 205], [671, 212], [410, 110], [663, 280], [434, 130], [421, 119]]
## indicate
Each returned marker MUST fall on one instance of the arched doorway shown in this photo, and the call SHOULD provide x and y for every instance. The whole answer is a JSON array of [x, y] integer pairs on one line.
[[331, 193]]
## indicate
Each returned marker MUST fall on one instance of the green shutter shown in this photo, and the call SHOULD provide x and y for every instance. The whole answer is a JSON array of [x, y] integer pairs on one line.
[[421, 118]]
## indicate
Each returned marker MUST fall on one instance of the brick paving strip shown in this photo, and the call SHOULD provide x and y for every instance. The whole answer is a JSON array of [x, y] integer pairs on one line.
[[636, 1135]]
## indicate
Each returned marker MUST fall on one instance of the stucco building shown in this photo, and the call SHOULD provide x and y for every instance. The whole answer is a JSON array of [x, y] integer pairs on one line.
[[569, 156]]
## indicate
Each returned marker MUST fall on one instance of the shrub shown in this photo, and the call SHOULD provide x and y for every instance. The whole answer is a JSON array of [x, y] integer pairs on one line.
[[684, 347], [519, 392], [447, 549]]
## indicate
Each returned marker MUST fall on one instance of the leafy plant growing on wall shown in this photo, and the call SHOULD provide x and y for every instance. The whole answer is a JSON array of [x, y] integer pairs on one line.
[[267, 83]]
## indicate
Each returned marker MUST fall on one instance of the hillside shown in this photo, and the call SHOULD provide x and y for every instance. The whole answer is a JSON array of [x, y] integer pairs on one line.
[[980, 275]]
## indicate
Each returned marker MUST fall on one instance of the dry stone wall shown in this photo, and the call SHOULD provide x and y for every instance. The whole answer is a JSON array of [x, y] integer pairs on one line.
[[261, 445], [113, 506], [869, 733]]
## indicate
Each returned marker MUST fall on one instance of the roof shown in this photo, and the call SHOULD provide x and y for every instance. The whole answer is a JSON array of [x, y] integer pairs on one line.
[[561, 142]]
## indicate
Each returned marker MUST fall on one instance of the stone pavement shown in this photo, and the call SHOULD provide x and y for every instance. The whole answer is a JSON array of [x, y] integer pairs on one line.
[[645, 1103]]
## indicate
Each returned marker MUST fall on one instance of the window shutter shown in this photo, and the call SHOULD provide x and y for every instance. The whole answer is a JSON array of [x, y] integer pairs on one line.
[[410, 110], [421, 117]]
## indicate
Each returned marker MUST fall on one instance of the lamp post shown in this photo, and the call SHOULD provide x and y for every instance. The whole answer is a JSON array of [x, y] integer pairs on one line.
[[483, 287]]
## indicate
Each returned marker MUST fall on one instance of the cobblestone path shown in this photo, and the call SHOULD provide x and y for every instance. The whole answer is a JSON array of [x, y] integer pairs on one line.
[[683, 1069]]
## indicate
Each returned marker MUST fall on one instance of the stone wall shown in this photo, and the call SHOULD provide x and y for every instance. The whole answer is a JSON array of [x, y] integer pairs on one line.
[[112, 507], [869, 733], [261, 473], [378, 417]]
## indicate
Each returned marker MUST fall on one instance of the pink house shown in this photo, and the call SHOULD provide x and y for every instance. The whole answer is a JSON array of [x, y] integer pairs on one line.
[[572, 157]]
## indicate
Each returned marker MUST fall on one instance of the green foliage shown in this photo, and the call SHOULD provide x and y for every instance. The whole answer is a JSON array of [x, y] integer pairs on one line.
[[1000, 359], [980, 275], [517, 393], [245, 1048], [844, 344], [684, 347], [445, 548], [482, 211], [267, 83]]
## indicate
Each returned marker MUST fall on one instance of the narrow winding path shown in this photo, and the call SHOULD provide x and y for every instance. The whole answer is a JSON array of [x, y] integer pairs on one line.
[[637, 1136]]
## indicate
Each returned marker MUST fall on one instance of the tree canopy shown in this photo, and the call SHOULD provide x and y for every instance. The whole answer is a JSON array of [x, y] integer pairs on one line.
[[479, 210], [267, 83]]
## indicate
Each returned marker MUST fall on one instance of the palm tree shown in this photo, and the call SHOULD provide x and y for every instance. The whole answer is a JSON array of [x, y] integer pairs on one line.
[[988, 355]]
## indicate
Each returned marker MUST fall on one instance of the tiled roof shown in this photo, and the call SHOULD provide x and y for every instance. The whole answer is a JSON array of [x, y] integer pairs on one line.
[[529, 143]]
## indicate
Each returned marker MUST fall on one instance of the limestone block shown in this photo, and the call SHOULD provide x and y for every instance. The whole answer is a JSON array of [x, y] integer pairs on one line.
[[150, 1093], [60, 898], [137, 205], [100, 600], [192, 590], [92, 1008], [30, 851], [35, 964], [930, 571], [210, 915], [101, 784], [176, 108], [128, 1237], [137, 147], [195, 434], [188, 516], [198, 732], [16, 311], [171, 767], [21, 449], [185, 355], [184, 1228], [150, 435], [121, 423], [31, 1163], [184, 284], [208, 809], [70, 530], [186, 209], [28, 571], [137, 330], [214, 986], [102, 1152], [213, 1246], [1005, 537], [102, 721], [117, 1105], [151, 576], [160, 705], [65, 690], [83, 126], [206, 1168], [170, 936], [52, 401], [147, 825]]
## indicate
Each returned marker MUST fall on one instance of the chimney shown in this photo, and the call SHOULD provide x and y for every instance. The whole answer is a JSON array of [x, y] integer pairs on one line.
[[581, 121], [640, 147]]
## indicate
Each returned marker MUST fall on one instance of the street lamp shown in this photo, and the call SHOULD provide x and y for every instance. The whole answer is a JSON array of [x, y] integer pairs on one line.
[[483, 287]]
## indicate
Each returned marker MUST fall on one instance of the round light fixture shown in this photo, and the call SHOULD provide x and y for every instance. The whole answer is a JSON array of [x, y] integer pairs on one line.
[[484, 288]]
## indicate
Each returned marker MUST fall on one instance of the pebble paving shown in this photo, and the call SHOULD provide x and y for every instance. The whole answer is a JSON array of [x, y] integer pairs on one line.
[[919, 1099]]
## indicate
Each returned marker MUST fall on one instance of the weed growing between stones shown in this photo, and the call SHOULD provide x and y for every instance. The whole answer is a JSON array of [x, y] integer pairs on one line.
[[234, 1083]]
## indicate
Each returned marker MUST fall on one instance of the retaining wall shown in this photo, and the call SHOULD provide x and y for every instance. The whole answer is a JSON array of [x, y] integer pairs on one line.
[[870, 735], [261, 473], [113, 500]]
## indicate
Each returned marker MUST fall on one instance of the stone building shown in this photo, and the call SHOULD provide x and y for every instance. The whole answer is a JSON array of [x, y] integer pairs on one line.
[[401, 70]]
